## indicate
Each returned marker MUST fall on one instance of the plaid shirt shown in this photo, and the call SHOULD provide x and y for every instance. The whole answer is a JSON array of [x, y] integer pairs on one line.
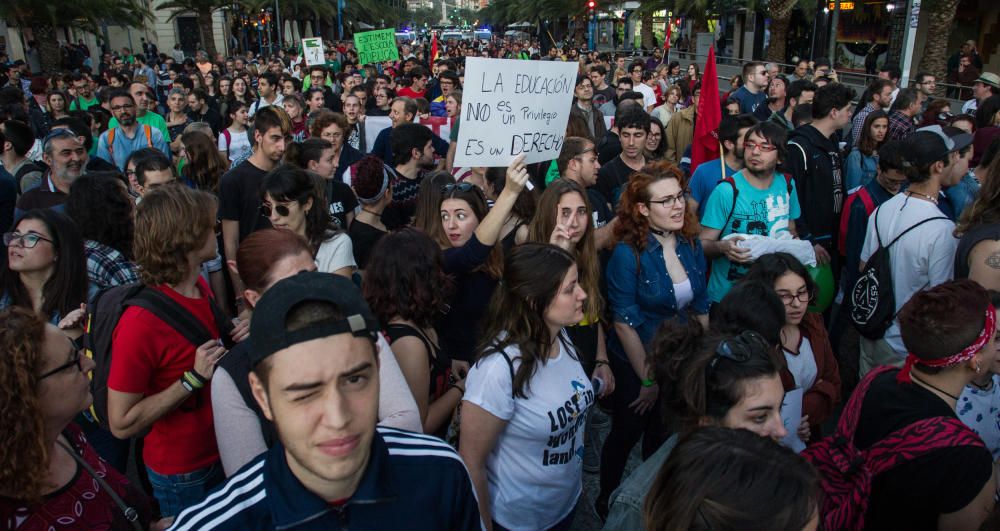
[[859, 122], [107, 267], [900, 126]]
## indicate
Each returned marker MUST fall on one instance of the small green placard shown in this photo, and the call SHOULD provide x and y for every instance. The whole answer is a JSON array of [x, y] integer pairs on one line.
[[376, 46]]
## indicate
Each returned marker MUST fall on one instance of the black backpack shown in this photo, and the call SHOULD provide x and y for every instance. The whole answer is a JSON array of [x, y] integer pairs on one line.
[[873, 301], [104, 313]]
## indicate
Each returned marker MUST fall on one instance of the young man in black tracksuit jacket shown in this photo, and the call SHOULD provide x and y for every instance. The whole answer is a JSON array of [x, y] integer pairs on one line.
[[815, 161]]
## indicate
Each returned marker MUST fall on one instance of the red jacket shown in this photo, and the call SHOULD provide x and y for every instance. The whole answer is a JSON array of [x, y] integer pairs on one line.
[[819, 400]]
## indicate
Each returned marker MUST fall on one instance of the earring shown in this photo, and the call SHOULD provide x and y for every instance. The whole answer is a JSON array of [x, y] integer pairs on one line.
[[978, 368]]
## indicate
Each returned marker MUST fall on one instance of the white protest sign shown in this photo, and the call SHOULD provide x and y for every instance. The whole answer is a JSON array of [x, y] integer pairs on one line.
[[510, 107], [791, 417], [312, 50]]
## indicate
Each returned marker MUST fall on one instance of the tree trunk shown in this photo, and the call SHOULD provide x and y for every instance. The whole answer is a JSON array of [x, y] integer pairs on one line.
[[940, 15], [48, 47], [781, 15], [205, 29], [777, 47], [646, 32]]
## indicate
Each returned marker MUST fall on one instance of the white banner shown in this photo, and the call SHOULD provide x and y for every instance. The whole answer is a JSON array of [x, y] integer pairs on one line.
[[510, 107], [312, 51]]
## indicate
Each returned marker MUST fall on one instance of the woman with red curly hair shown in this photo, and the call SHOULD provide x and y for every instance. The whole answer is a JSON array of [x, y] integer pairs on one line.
[[48, 475], [656, 273]]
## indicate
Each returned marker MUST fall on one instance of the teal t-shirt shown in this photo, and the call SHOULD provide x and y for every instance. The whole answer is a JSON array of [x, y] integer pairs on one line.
[[757, 212]]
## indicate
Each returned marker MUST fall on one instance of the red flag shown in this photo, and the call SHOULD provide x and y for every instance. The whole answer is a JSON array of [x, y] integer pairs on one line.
[[434, 47], [705, 144], [666, 41]]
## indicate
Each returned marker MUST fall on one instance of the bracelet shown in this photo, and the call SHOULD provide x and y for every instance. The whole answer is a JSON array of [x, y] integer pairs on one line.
[[598, 363], [201, 379], [187, 386], [192, 380], [456, 386], [648, 383]]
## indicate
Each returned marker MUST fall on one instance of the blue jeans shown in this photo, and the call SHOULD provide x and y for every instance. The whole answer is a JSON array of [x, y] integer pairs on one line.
[[177, 492]]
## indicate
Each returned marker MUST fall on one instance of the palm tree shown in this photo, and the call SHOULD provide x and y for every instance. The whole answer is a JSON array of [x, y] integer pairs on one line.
[[203, 9], [43, 19], [940, 15]]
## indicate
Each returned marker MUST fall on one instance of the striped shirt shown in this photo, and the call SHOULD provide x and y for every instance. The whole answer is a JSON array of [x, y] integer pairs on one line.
[[412, 481]]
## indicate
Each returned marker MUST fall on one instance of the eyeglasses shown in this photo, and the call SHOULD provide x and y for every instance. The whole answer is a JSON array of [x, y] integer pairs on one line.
[[77, 360], [765, 147], [266, 209], [803, 296], [738, 349], [669, 201], [125, 107], [27, 240], [461, 187]]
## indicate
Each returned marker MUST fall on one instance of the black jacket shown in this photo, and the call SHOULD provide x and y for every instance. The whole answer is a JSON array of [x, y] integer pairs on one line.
[[815, 163]]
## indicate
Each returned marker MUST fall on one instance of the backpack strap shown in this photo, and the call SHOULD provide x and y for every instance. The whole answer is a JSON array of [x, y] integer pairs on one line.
[[180, 319], [510, 365], [920, 438], [229, 138], [915, 225], [848, 423], [149, 135], [736, 193], [866, 198], [111, 142]]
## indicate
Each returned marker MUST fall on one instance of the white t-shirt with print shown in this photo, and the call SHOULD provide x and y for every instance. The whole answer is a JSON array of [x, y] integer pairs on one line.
[[238, 146], [535, 471], [923, 258]]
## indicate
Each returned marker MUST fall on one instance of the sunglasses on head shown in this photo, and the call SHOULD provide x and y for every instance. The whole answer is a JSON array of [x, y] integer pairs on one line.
[[461, 187], [738, 349], [266, 209]]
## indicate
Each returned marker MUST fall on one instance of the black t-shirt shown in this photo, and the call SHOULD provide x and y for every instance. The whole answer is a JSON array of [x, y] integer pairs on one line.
[[602, 96], [912, 495], [239, 198], [602, 213], [363, 238], [611, 179], [341, 199]]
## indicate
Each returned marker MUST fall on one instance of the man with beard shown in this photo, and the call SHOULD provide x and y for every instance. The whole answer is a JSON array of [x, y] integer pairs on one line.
[[754, 201], [142, 96], [402, 111], [85, 97], [732, 129], [413, 156], [115, 145], [66, 157], [776, 101]]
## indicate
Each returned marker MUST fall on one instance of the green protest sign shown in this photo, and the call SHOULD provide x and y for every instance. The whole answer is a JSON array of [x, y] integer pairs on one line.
[[376, 46]]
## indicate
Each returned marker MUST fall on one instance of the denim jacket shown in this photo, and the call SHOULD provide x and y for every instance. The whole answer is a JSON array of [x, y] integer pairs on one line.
[[627, 501], [641, 293], [859, 169]]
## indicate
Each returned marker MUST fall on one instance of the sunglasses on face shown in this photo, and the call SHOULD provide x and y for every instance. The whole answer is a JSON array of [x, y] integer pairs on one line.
[[27, 240], [266, 209]]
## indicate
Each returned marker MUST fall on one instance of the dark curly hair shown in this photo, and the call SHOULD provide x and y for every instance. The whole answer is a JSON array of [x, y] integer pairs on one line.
[[405, 279], [112, 223], [369, 174], [22, 449], [633, 227]]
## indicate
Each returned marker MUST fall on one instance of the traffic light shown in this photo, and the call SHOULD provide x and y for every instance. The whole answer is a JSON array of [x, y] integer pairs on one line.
[[591, 4]]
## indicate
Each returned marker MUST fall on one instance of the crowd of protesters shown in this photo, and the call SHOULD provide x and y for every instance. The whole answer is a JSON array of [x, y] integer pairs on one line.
[[245, 292]]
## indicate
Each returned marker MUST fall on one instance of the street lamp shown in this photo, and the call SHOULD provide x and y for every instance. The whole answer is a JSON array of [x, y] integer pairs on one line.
[[890, 6]]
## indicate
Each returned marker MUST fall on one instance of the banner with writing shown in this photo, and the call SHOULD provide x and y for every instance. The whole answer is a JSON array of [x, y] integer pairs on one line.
[[312, 51], [511, 107], [376, 46]]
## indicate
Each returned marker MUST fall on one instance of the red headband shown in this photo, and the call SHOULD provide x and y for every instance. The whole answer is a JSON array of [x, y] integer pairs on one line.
[[965, 355]]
